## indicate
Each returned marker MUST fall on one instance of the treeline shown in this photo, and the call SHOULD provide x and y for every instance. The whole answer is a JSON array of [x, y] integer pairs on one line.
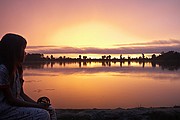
[[169, 60], [170, 56]]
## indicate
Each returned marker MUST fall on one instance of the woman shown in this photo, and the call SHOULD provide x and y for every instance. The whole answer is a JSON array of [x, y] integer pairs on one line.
[[14, 103]]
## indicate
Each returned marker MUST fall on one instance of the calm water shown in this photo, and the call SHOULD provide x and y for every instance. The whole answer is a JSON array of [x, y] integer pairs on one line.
[[103, 85]]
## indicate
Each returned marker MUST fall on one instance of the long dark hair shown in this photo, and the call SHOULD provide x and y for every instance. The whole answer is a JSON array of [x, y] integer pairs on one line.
[[10, 51]]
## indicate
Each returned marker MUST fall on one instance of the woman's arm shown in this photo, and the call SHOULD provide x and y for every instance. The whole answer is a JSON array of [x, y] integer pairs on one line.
[[16, 102]]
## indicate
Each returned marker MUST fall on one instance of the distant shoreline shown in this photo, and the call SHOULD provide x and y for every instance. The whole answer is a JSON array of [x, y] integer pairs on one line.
[[169, 60], [170, 56]]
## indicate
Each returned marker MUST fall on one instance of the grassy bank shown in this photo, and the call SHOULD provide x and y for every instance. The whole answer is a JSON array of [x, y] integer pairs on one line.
[[160, 113]]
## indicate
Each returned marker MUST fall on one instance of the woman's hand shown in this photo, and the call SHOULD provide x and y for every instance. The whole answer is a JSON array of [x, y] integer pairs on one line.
[[44, 105]]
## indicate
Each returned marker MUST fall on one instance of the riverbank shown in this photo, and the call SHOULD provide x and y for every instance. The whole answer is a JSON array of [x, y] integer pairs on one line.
[[160, 113]]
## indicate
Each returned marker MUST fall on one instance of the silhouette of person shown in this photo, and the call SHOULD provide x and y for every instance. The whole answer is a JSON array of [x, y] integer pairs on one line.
[[14, 103]]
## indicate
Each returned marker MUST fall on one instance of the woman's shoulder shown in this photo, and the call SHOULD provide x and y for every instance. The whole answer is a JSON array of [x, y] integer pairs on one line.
[[3, 76], [3, 68]]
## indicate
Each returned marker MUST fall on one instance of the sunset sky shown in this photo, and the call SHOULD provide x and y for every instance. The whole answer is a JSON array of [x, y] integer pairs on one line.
[[94, 26]]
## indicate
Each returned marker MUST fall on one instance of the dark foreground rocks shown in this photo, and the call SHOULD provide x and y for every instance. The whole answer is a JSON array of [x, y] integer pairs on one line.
[[161, 113]]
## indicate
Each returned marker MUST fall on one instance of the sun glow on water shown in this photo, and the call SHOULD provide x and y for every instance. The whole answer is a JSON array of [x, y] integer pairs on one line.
[[102, 86]]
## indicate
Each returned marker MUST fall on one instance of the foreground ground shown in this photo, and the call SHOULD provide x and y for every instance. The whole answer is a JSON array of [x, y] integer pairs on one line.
[[161, 113]]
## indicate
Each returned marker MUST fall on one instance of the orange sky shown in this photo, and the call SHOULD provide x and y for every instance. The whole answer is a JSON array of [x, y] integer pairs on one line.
[[91, 23]]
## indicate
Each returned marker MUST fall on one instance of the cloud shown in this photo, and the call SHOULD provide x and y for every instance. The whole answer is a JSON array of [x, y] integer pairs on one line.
[[155, 43], [156, 46], [37, 47]]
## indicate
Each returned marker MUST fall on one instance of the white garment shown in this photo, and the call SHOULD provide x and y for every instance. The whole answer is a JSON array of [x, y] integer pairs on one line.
[[9, 112]]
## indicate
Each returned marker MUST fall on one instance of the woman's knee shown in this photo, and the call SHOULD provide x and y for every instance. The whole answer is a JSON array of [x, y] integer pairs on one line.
[[44, 114]]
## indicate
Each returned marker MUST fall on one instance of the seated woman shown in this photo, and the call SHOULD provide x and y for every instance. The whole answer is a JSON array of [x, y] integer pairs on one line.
[[14, 103]]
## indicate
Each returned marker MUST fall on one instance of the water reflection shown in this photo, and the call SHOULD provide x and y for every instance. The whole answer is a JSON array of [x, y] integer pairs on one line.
[[162, 65], [103, 84], [106, 67], [37, 90]]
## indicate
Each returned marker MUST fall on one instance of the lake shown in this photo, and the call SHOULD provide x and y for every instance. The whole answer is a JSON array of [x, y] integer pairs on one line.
[[103, 85]]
